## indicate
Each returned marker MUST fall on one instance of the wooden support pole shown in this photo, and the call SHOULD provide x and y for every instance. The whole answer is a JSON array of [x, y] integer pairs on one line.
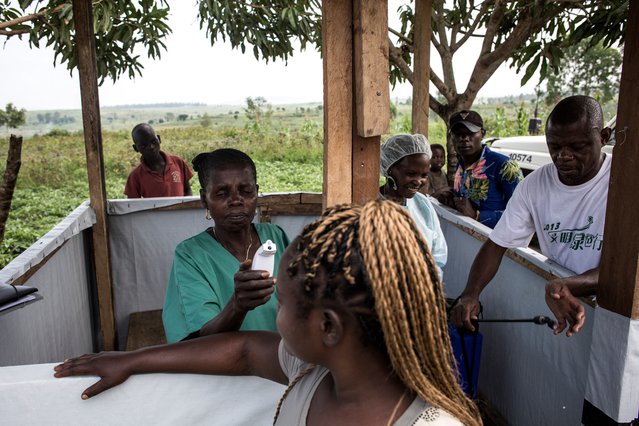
[[421, 69], [337, 42], [356, 97], [85, 45], [372, 95], [370, 56], [11, 170], [611, 394], [619, 274]]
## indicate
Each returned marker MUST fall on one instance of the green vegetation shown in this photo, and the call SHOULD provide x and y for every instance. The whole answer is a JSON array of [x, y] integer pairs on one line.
[[12, 117], [53, 177], [286, 146]]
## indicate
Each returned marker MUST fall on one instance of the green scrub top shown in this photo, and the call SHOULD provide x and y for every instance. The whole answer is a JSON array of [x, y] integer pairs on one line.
[[201, 283]]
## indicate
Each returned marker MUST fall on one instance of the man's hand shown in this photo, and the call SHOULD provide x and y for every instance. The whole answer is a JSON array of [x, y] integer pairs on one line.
[[463, 206], [446, 198], [566, 307], [465, 310], [252, 288]]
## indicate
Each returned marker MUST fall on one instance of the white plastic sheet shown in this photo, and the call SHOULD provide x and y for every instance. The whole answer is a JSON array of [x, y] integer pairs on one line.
[[30, 395], [613, 376], [78, 220]]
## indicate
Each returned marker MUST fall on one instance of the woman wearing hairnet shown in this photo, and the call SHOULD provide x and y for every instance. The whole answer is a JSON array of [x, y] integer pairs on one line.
[[405, 161]]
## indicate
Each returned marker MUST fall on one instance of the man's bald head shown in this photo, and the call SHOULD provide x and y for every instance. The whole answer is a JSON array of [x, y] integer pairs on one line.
[[575, 134], [577, 109]]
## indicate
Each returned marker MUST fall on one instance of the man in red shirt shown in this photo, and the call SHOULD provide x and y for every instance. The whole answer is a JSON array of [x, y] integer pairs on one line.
[[159, 174]]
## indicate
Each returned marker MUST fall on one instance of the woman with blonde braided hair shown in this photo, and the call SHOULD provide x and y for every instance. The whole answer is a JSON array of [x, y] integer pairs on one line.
[[363, 331]]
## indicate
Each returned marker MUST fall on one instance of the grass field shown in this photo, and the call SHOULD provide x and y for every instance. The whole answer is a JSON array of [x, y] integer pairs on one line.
[[287, 149]]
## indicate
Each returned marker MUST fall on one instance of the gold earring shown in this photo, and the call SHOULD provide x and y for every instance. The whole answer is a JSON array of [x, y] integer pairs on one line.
[[208, 215]]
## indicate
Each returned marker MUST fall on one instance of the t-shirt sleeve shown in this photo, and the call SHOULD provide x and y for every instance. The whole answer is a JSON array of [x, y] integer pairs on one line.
[[291, 365], [132, 187], [186, 171], [509, 175], [516, 226], [191, 301]]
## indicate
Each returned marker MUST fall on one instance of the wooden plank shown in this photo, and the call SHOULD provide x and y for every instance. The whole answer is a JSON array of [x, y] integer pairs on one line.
[[370, 40], [619, 274], [366, 153], [145, 329], [421, 68], [294, 198], [337, 42], [311, 198], [290, 210], [85, 45], [187, 205]]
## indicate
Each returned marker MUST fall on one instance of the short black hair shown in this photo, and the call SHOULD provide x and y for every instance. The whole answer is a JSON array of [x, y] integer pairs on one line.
[[206, 162], [435, 146], [573, 109], [142, 128]]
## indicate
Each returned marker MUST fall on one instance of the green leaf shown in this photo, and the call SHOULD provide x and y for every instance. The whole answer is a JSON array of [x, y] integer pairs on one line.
[[530, 70]]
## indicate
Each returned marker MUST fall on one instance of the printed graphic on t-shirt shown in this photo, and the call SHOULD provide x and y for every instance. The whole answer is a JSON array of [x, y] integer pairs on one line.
[[176, 176], [575, 238]]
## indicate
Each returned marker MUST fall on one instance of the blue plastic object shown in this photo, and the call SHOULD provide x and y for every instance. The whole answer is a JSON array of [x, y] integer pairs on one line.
[[467, 353]]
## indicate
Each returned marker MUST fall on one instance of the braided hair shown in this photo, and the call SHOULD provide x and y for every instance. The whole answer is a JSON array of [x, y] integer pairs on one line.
[[379, 267]]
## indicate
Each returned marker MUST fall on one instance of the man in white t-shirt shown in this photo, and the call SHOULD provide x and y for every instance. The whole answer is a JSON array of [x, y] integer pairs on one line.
[[565, 204]]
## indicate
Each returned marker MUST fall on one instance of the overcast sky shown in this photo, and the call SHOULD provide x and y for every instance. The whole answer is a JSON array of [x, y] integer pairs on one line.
[[193, 71]]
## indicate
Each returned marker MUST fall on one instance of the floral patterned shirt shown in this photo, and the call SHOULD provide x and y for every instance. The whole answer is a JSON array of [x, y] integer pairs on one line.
[[488, 183]]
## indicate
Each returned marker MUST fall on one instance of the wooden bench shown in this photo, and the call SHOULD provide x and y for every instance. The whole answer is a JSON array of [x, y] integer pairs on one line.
[[145, 329]]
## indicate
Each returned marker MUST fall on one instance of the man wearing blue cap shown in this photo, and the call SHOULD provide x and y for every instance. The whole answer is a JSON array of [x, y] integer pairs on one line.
[[484, 180]]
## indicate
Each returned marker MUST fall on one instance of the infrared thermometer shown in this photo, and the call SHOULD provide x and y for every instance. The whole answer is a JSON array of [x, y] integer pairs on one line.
[[264, 259]]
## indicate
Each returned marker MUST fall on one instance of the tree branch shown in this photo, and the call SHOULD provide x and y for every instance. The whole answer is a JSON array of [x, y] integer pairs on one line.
[[493, 25], [441, 86], [471, 30], [436, 44], [32, 17], [444, 49], [12, 33], [401, 36], [395, 57], [436, 106], [530, 21]]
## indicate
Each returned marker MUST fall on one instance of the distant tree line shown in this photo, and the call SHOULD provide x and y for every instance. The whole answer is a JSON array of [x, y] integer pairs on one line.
[[54, 118], [162, 105]]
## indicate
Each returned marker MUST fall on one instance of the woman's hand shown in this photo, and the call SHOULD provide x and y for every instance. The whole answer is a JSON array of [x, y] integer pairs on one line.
[[252, 288], [112, 367]]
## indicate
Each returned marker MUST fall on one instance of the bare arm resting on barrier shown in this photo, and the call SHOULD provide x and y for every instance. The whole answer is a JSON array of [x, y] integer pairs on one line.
[[233, 354], [561, 297]]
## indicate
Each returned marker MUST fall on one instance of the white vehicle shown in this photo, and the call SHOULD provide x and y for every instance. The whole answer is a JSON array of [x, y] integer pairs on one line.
[[531, 152]]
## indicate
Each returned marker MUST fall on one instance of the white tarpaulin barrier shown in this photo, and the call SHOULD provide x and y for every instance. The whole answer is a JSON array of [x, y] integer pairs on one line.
[[530, 375], [613, 377], [30, 395]]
